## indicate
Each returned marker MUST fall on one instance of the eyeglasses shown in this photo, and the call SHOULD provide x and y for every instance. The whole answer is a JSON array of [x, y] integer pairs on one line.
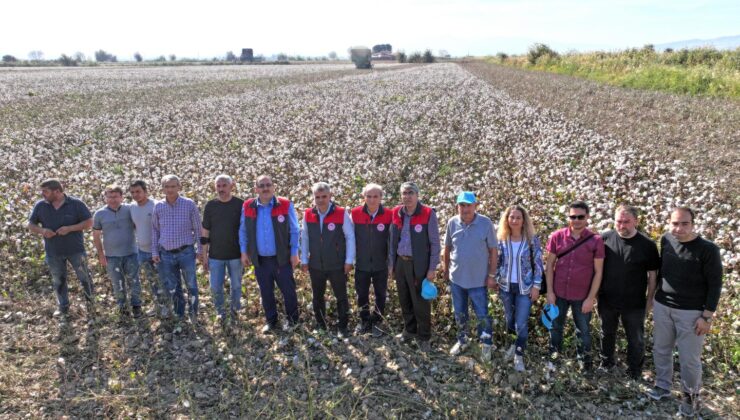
[[577, 217], [264, 185]]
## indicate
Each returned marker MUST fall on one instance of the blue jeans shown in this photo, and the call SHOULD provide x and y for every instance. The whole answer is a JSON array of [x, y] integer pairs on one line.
[[583, 329], [58, 268], [124, 274], [156, 282], [171, 266], [218, 272], [479, 298], [516, 311]]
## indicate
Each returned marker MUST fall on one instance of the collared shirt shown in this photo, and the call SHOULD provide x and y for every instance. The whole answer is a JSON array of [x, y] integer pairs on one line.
[[175, 225], [404, 244], [71, 212], [142, 217], [574, 271], [266, 245], [469, 247], [349, 236], [118, 230]]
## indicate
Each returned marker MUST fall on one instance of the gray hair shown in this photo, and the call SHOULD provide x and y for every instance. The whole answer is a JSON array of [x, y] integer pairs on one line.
[[370, 187], [224, 177], [168, 178], [408, 185], [628, 209], [320, 186]]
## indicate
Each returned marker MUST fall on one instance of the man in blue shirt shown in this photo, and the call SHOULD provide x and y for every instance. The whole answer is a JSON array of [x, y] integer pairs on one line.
[[61, 219], [268, 239]]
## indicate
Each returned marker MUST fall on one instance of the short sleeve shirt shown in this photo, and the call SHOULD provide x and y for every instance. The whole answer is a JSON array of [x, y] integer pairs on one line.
[[574, 272], [222, 220], [119, 239], [71, 212], [142, 217], [626, 265], [470, 244]]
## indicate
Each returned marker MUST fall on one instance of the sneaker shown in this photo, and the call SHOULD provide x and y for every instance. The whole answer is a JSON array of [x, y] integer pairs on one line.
[[657, 393], [509, 354], [221, 320], [137, 311], [178, 327], [164, 312], [377, 331], [635, 375], [425, 346], [405, 337], [605, 367], [60, 313], [458, 348], [193, 317], [519, 363], [485, 352], [690, 405], [234, 315]]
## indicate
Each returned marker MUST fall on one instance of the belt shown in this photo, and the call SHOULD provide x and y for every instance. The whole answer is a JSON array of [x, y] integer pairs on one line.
[[179, 250], [264, 258], [405, 257]]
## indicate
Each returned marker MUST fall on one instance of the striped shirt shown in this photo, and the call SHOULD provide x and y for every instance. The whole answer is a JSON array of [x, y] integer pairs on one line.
[[175, 225]]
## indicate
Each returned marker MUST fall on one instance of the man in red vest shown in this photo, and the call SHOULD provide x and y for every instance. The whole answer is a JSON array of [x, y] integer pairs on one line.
[[372, 227], [268, 238], [414, 255], [327, 253]]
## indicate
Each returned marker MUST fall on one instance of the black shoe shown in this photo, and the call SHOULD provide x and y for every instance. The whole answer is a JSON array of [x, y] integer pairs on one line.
[[363, 328], [137, 311], [319, 326], [123, 312], [343, 333], [634, 374], [270, 328]]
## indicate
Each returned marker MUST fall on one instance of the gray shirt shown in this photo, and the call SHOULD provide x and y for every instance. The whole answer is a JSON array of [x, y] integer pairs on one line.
[[142, 217], [118, 230], [469, 246]]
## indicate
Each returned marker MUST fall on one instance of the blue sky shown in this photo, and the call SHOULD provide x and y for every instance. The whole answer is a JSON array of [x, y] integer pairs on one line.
[[477, 27]]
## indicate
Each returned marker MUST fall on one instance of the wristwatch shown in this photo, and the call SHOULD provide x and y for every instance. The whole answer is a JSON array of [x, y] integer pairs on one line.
[[492, 275], [707, 319]]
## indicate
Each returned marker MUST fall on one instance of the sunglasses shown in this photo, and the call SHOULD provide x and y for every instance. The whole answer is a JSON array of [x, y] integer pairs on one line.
[[264, 185], [577, 217]]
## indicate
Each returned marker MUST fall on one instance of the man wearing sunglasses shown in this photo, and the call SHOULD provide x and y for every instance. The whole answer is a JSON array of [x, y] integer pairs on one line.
[[575, 261], [268, 238]]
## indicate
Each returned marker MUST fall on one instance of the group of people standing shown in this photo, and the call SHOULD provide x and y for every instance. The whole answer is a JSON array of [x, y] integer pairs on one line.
[[622, 269]]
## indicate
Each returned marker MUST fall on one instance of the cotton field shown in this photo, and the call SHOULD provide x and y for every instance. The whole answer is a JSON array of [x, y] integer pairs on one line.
[[438, 125]]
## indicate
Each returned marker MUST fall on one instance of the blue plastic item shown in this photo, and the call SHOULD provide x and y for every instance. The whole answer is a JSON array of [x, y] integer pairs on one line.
[[549, 313], [428, 290]]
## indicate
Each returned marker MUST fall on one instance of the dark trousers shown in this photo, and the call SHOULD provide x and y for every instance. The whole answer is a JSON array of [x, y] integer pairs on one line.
[[633, 322], [268, 274], [338, 281], [417, 311], [379, 280]]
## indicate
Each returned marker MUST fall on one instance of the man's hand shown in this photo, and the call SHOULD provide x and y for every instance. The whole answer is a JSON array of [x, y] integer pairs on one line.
[[304, 268], [701, 326], [431, 275], [648, 307], [588, 305], [391, 272], [551, 297], [48, 233], [64, 230], [534, 294], [204, 262], [245, 260], [491, 283], [103, 261], [156, 259], [295, 261], [347, 268]]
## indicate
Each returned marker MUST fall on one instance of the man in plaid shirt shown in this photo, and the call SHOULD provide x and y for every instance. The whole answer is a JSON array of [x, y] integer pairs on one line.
[[175, 229]]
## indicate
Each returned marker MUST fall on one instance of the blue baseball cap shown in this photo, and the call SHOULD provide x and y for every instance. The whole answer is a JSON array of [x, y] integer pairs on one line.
[[428, 290], [466, 197], [549, 313]]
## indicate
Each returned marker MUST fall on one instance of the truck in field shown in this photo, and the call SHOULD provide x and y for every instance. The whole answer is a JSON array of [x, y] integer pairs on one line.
[[361, 56]]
